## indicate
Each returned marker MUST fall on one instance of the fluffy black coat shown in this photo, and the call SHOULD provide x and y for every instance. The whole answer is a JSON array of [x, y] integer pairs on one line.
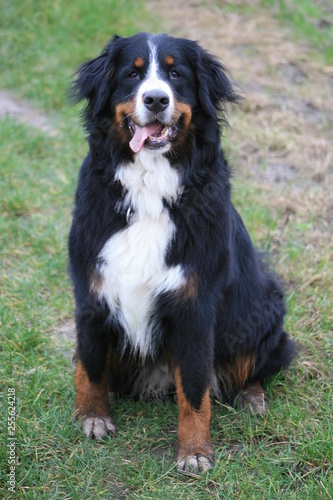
[[223, 329]]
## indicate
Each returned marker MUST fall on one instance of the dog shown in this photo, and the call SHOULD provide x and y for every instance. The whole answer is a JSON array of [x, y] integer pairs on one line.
[[171, 295]]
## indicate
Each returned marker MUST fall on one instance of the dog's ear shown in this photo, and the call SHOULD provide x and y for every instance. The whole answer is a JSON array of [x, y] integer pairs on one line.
[[93, 79], [215, 85]]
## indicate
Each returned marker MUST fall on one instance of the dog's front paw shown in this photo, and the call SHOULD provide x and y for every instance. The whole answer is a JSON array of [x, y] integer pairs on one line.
[[98, 427], [195, 463]]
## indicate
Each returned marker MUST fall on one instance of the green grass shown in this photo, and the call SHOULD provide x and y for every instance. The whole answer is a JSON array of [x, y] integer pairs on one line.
[[287, 454], [308, 19], [43, 41]]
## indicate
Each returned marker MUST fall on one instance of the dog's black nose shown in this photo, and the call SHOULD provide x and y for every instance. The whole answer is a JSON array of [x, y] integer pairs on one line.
[[156, 100]]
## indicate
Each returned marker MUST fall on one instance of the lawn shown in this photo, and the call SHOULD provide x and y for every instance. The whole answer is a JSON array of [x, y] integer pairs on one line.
[[287, 454]]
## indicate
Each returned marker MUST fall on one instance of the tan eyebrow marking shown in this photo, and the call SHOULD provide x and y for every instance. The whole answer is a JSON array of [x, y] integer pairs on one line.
[[169, 60], [139, 62]]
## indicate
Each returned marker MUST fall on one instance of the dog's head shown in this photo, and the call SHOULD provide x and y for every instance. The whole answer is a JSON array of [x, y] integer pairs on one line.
[[153, 90]]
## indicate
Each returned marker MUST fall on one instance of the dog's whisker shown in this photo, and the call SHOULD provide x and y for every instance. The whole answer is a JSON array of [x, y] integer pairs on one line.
[[127, 116]]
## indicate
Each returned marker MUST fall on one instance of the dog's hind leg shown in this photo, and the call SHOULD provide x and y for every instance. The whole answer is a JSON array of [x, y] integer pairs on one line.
[[254, 397]]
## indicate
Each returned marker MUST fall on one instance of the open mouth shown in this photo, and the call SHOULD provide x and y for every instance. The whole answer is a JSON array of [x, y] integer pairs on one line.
[[155, 135]]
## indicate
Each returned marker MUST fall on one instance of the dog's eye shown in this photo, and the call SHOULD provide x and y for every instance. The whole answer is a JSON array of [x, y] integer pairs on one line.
[[174, 74], [134, 75]]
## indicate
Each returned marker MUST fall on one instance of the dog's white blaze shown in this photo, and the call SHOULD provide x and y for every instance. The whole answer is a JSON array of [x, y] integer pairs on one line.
[[133, 265], [153, 82]]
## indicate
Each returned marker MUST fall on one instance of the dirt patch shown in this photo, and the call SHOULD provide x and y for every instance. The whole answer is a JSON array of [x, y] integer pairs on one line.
[[20, 110], [64, 337], [276, 173]]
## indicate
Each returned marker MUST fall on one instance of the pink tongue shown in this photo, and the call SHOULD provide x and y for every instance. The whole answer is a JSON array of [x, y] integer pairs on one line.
[[141, 134]]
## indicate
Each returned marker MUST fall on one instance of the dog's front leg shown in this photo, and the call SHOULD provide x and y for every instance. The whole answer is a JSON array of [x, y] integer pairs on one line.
[[192, 354], [91, 376], [195, 450]]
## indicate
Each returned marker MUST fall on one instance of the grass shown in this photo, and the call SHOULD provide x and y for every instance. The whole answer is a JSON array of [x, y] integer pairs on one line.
[[42, 40], [287, 454], [306, 19], [310, 19]]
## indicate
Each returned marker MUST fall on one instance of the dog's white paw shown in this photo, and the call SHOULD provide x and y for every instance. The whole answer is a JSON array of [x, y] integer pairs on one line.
[[195, 463], [98, 427], [255, 398]]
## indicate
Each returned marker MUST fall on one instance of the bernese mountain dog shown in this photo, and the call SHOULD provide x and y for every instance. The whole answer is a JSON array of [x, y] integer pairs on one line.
[[170, 293]]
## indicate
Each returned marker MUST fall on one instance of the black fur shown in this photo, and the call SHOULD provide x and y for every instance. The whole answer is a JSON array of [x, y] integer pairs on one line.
[[238, 308]]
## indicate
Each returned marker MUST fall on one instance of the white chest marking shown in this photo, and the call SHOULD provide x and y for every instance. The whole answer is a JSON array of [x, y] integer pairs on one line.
[[133, 268]]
